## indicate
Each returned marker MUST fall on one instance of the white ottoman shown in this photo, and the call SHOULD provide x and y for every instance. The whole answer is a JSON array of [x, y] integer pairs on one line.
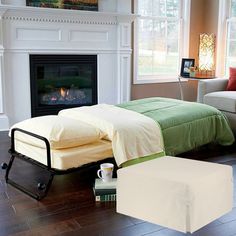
[[178, 193]]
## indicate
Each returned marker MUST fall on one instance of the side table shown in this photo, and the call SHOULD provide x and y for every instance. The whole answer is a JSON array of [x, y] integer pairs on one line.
[[197, 78]]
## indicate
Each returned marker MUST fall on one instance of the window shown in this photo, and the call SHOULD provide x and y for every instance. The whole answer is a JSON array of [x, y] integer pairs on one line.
[[161, 39], [226, 38], [230, 59]]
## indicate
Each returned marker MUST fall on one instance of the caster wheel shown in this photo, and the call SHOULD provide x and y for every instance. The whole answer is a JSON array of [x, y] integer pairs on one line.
[[4, 166], [41, 186]]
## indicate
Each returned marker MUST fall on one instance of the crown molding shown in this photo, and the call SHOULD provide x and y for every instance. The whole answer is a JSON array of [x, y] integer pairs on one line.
[[38, 14]]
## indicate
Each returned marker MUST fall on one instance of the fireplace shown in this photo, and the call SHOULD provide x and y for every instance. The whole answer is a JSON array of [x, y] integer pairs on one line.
[[62, 81], [33, 30]]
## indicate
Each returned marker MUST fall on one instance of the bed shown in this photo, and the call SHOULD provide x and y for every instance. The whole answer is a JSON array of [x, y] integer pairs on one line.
[[183, 126]]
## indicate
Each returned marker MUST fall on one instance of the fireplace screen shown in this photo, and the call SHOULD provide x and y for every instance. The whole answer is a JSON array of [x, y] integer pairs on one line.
[[62, 81]]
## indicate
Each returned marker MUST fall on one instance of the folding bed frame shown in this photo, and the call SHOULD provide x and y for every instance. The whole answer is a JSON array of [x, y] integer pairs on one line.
[[43, 187]]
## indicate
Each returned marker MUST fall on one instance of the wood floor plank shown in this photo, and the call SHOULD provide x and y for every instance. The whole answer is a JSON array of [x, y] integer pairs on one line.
[[67, 214], [96, 217], [117, 222], [226, 229], [228, 217], [209, 229], [53, 229], [135, 230], [12, 226]]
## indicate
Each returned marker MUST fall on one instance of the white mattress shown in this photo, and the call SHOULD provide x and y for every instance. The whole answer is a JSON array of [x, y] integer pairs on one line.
[[67, 158]]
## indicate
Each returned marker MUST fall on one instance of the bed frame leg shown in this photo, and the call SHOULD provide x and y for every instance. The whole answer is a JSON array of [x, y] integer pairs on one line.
[[43, 188], [9, 167]]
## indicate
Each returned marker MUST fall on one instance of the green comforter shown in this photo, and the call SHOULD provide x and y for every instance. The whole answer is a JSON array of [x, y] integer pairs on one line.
[[185, 125]]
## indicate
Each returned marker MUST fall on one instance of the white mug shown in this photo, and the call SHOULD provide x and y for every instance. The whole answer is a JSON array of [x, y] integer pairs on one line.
[[105, 172]]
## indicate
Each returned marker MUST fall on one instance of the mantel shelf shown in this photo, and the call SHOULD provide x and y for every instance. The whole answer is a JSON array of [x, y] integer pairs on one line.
[[15, 12]]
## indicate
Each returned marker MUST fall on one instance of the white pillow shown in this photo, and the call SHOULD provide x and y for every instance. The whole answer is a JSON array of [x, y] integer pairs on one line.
[[61, 132]]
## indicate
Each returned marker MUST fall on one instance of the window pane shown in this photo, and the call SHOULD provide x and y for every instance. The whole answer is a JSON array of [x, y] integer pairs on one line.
[[159, 28], [173, 47], [164, 64], [145, 65], [232, 30], [145, 7], [145, 47], [165, 57], [159, 56], [233, 8], [172, 8], [145, 36], [159, 46], [232, 49], [158, 37], [230, 62], [172, 29], [159, 8], [230, 59], [145, 26]]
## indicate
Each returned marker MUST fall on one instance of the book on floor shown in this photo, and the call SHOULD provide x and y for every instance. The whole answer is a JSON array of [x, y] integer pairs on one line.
[[99, 184], [106, 198], [105, 191]]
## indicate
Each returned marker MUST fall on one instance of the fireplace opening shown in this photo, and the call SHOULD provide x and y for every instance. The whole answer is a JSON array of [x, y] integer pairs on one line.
[[62, 81]]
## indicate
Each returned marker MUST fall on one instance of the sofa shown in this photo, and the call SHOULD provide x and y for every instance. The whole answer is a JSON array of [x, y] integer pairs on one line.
[[213, 92]]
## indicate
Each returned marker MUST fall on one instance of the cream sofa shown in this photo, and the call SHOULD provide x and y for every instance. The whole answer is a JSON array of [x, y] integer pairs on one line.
[[213, 92]]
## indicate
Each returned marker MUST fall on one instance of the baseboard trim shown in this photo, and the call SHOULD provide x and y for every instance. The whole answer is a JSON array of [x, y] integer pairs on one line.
[[4, 122]]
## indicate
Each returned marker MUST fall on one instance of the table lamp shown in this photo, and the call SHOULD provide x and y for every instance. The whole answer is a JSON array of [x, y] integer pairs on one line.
[[207, 54]]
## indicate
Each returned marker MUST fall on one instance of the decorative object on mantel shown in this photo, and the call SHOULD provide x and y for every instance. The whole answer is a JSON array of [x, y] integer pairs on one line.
[[88, 5], [207, 55]]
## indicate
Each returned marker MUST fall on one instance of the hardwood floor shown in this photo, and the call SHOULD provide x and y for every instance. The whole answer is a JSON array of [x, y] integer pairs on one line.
[[69, 208]]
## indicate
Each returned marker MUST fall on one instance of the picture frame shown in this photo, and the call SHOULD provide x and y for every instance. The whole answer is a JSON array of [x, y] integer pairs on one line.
[[185, 65], [87, 5]]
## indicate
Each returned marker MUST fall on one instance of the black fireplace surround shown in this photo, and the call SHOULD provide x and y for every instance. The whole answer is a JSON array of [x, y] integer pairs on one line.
[[62, 81]]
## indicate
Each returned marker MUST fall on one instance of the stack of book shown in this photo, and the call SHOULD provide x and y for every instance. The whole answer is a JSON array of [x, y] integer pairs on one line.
[[105, 191]]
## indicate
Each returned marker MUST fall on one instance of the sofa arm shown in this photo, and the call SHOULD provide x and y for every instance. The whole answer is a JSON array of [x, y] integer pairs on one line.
[[210, 85]]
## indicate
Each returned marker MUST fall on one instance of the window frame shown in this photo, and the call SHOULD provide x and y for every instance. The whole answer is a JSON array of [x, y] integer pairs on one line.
[[224, 19], [184, 36]]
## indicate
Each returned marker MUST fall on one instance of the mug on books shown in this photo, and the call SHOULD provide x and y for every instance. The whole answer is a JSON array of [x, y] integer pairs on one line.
[[105, 172]]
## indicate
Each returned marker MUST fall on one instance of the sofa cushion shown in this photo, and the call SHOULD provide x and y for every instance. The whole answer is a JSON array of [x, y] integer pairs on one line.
[[61, 132], [223, 100], [231, 86]]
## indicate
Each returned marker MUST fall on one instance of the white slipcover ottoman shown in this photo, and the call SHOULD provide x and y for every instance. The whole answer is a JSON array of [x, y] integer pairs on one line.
[[178, 193]]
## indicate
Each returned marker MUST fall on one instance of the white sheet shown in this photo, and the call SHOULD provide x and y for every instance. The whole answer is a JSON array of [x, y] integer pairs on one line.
[[133, 135], [67, 158]]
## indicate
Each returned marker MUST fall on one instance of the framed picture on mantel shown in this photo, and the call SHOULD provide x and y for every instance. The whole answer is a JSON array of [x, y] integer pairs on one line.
[[87, 5]]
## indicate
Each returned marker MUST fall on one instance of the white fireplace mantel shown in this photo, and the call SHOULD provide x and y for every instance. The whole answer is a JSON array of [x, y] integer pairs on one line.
[[30, 30], [63, 16]]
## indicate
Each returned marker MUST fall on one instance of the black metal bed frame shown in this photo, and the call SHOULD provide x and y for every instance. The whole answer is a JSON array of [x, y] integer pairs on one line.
[[41, 186]]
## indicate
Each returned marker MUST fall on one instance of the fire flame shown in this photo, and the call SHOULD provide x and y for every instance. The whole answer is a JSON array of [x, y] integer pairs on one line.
[[63, 92]]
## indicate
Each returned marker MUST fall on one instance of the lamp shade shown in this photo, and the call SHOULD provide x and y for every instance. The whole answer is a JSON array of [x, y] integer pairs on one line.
[[207, 52]]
